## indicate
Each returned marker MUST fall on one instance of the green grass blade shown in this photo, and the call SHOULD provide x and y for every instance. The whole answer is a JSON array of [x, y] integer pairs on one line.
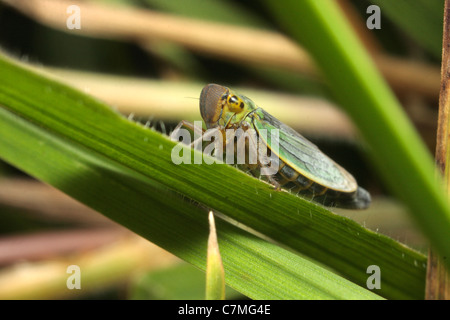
[[215, 275], [164, 218], [400, 155], [128, 178], [135, 202]]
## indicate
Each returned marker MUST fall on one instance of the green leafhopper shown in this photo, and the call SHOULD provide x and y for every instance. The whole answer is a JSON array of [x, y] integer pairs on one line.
[[300, 166]]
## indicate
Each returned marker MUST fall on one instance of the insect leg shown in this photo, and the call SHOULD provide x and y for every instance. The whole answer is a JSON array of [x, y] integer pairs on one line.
[[263, 160]]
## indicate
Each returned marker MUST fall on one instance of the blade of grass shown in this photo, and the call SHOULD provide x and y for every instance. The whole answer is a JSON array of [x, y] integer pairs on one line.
[[215, 276], [400, 155], [303, 226], [254, 267]]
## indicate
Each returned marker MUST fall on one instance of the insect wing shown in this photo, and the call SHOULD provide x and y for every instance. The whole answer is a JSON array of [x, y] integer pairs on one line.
[[302, 155]]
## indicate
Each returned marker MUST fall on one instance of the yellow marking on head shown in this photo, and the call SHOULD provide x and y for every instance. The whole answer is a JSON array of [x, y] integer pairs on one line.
[[235, 104]]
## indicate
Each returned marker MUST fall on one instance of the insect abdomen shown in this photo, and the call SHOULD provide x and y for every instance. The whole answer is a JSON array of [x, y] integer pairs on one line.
[[293, 181]]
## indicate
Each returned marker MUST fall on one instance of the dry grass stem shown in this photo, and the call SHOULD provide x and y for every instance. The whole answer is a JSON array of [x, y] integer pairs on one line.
[[267, 48]]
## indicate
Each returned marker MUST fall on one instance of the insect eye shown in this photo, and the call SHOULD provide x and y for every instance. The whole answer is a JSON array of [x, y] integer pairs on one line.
[[233, 100], [235, 103]]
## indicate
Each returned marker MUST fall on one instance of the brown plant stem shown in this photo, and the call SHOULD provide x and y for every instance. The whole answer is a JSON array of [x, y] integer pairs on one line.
[[438, 279]]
